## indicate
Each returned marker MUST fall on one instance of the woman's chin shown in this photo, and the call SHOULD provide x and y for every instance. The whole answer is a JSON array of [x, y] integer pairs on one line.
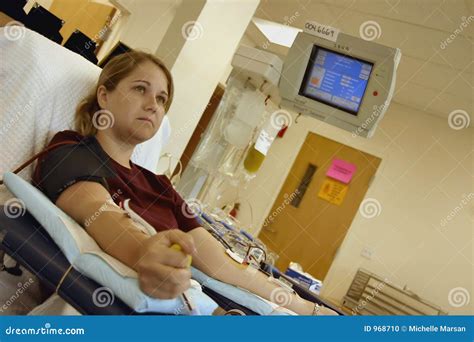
[[143, 133]]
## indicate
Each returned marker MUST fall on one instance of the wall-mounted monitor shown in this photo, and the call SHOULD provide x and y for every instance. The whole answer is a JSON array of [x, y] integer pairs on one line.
[[348, 83]]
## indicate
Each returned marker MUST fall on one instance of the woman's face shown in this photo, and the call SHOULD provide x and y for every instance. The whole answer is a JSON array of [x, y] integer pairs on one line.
[[137, 103]]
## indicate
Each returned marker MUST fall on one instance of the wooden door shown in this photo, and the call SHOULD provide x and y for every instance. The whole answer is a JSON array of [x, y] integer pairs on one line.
[[91, 18], [311, 231]]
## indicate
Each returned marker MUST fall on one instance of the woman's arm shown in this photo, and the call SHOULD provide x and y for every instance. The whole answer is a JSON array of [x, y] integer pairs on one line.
[[162, 271], [212, 259], [87, 204]]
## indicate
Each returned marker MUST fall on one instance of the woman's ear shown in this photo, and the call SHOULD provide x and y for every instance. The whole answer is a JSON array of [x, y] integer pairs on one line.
[[102, 96]]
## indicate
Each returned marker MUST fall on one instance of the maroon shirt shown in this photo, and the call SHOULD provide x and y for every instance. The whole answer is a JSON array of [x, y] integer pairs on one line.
[[151, 196]]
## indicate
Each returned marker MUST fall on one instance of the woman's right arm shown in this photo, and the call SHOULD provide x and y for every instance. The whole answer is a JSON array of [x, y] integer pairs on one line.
[[162, 271]]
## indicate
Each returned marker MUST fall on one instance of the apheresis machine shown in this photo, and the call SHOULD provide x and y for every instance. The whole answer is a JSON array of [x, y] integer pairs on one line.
[[345, 81]]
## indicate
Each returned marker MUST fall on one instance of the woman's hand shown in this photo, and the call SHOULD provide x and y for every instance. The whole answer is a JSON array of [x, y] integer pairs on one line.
[[163, 272]]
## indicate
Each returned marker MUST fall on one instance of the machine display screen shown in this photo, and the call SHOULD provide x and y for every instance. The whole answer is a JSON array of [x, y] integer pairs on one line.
[[336, 79]]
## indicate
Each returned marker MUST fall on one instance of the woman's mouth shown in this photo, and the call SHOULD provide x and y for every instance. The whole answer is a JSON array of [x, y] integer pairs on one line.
[[147, 120]]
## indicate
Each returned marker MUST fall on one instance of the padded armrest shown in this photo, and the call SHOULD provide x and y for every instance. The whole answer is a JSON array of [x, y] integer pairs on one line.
[[26, 241]]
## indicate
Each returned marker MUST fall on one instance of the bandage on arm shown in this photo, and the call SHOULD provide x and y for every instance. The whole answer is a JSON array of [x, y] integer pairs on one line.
[[90, 204], [212, 259]]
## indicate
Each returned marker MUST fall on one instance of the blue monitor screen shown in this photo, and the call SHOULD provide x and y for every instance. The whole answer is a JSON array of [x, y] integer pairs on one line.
[[336, 79]]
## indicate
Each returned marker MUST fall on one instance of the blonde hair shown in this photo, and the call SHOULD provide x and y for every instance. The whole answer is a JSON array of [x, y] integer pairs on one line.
[[113, 72]]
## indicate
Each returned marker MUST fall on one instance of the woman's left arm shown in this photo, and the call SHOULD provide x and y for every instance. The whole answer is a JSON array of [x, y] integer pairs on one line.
[[212, 259]]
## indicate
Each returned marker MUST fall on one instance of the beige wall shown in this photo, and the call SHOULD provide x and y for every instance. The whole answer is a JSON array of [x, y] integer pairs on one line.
[[426, 172], [141, 25], [147, 23], [198, 64]]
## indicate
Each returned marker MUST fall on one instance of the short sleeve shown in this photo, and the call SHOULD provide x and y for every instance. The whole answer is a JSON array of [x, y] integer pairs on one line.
[[66, 165], [185, 215]]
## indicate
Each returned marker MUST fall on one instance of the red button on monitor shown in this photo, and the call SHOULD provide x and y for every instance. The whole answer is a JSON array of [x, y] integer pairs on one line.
[[375, 93]]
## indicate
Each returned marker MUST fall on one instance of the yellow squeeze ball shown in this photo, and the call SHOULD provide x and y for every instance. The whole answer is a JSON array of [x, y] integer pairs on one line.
[[177, 247]]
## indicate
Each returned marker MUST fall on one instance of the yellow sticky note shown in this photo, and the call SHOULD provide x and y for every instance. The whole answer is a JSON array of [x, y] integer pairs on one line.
[[333, 191]]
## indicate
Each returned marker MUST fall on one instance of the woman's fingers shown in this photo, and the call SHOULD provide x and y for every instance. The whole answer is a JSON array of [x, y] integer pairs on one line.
[[163, 271], [185, 241], [161, 281], [174, 258]]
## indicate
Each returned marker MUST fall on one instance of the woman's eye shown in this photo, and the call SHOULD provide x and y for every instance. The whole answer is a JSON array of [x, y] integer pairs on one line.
[[161, 99], [141, 89]]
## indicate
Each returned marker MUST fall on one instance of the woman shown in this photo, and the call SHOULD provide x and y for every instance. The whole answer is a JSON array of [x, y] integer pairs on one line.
[[133, 93]]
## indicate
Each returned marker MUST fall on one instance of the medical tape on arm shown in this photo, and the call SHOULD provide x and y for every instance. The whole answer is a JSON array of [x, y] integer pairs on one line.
[[116, 233]]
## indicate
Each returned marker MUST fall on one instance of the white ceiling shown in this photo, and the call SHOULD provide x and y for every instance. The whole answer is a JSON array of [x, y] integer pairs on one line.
[[431, 79]]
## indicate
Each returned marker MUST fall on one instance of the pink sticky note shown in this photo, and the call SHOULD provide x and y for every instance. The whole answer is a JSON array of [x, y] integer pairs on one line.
[[341, 170]]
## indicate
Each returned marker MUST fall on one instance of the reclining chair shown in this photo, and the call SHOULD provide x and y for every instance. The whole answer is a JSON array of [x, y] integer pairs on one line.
[[42, 83]]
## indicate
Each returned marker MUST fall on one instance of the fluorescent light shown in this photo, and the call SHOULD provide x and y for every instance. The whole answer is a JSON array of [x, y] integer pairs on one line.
[[277, 33]]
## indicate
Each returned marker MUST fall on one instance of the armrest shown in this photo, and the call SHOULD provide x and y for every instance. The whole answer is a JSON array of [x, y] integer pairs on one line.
[[26, 241]]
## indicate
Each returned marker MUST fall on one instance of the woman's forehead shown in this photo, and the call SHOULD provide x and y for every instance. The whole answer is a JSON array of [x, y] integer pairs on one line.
[[148, 71]]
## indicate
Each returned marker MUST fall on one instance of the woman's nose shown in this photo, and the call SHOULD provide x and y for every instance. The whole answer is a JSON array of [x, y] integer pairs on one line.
[[151, 104]]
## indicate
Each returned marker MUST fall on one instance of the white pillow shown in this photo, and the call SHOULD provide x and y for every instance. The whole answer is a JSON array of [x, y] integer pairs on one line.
[[42, 83], [88, 258]]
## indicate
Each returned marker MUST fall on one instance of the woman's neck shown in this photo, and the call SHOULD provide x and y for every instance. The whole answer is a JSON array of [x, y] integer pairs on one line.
[[118, 150]]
